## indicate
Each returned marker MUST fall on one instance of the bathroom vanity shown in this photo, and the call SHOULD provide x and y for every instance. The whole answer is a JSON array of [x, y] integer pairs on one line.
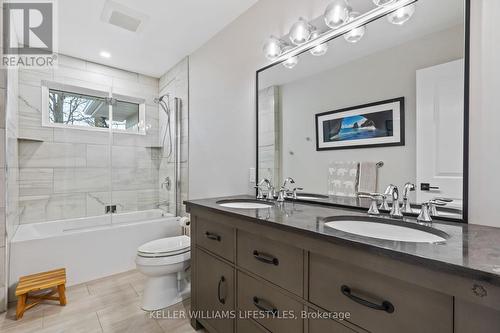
[[282, 269]]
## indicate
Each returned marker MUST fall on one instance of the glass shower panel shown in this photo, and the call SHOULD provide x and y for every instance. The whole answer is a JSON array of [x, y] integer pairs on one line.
[[135, 154]]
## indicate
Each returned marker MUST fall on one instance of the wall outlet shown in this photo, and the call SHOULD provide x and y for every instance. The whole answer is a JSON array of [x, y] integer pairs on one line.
[[252, 175]]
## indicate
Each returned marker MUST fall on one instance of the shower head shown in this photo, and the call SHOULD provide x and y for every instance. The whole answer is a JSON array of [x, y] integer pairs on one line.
[[160, 99]]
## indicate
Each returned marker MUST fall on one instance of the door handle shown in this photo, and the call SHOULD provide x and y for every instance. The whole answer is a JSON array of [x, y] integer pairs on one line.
[[212, 236], [222, 300], [427, 187], [266, 258], [384, 306]]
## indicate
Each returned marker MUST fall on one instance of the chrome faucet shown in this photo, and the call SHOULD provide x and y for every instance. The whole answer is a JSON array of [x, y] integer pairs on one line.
[[392, 190], [284, 190], [406, 201]]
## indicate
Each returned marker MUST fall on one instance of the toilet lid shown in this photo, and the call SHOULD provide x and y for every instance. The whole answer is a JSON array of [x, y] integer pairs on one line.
[[167, 246]]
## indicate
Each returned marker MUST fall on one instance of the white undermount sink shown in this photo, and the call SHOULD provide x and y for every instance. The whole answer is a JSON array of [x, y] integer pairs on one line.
[[244, 204], [387, 231]]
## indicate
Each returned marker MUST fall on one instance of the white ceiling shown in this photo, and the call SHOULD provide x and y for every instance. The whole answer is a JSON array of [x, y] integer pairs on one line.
[[173, 30]]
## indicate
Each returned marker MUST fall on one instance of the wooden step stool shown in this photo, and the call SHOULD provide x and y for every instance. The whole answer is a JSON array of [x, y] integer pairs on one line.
[[55, 280]]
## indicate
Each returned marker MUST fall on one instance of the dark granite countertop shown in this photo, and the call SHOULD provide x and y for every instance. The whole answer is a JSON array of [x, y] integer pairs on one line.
[[471, 251]]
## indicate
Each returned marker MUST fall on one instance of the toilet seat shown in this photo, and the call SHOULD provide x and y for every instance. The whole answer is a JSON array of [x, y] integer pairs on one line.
[[165, 247], [163, 261]]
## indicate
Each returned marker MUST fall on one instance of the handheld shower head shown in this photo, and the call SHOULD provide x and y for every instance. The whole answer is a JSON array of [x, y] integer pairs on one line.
[[160, 99]]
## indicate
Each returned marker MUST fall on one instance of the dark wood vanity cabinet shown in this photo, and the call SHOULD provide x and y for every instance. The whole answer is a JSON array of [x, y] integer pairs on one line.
[[240, 267]]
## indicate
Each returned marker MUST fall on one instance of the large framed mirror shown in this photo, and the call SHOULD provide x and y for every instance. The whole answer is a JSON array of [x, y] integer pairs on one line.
[[390, 108]]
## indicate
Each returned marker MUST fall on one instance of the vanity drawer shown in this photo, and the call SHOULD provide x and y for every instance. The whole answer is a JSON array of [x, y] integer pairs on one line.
[[249, 326], [337, 286], [254, 295], [327, 325], [277, 262], [215, 237]]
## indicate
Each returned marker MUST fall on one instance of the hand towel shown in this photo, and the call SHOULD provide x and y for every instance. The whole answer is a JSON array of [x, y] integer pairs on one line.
[[367, 177], [342, 177]]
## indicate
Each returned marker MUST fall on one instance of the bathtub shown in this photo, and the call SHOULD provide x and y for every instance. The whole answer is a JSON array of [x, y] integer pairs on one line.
[[89, 248]]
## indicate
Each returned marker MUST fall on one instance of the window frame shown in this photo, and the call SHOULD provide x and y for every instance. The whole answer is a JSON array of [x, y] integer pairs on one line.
[[49, 85]]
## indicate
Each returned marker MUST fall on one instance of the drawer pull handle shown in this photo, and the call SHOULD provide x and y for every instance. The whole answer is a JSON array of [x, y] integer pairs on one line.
[[259, 304], [212, 236], [222, 300], [385, 306], [266, 258]]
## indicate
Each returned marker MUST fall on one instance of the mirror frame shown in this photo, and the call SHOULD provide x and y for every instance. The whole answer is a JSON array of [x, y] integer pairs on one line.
[[465, 185]]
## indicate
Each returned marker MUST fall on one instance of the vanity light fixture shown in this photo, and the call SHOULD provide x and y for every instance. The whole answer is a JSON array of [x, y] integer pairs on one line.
[[342, 21], [272, 48], [105, 54], [319, 49], [291, 61], [355, 34], [401, 15], [300, 32], [337, 13]]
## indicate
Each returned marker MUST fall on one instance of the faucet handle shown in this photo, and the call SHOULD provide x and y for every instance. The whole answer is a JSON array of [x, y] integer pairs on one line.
[[294, 191], [373, 210], [437, 202], [260, 193]]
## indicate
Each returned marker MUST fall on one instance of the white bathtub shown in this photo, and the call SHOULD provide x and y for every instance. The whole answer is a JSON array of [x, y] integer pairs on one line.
[[89, 248]]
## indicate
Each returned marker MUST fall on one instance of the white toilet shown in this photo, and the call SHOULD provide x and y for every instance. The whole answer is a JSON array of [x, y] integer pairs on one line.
[[164, 261]]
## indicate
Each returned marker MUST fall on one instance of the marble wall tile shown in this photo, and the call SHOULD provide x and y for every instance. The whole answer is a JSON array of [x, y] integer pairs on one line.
[[67, 61], [71, 180], [35, 181], [70, 135], [54, 207], [112, 72], [132, 157], [98, 156], [134, 179], [51, 155]]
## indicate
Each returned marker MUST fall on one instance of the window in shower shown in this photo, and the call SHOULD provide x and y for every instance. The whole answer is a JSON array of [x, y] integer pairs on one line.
[[78, 107]]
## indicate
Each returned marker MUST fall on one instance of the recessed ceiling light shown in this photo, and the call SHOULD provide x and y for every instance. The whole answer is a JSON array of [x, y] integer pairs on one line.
[[105, 54]]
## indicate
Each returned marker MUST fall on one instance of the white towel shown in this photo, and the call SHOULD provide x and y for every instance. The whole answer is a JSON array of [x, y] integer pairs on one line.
[[367, 177], [342, 178]]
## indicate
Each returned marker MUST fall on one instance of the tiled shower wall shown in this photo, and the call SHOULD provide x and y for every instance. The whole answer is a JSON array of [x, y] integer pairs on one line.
[[3, 255], [270, 136], [70, 173], [176, 83]]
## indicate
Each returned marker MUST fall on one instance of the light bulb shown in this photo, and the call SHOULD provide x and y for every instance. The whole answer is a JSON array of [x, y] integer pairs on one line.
[[355, 34], [272, 48], [319, 49], [382, 3], [337, 13], [402, 15], [300, 32], [292, 61]]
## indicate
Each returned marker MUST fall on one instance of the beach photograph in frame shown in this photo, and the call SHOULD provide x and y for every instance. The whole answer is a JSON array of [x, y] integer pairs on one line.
[[378, 124]]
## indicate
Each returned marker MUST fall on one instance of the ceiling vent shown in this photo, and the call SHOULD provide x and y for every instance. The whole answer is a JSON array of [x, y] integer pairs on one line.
[[123, 17]]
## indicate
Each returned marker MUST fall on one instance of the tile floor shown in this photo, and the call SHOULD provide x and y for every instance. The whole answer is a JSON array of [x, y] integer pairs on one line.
[[110, 304]]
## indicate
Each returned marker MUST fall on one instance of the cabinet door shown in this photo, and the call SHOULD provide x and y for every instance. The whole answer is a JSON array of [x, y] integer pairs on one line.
[[215, 292], [475, 318]]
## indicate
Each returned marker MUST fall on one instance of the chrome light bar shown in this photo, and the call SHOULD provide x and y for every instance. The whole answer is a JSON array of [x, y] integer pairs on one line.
[[331, 34]]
